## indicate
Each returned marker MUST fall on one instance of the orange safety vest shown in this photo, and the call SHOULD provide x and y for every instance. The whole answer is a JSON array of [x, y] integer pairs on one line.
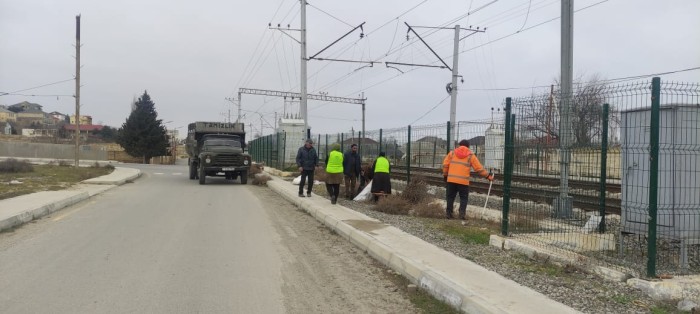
[[458, 163]]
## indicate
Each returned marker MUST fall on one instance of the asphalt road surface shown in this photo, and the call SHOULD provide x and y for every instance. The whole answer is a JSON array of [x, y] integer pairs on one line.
[[165, 244]]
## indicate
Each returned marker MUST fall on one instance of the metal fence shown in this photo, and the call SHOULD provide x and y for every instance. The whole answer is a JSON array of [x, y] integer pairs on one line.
[[620, 184]]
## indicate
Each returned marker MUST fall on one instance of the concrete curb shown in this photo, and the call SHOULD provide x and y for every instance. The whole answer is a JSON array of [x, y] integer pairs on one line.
[[119, 176], [30, 214], [25, 208]]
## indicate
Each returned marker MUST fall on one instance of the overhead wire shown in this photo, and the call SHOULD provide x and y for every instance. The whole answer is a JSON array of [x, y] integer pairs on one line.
[[331, 15], [35, 87]]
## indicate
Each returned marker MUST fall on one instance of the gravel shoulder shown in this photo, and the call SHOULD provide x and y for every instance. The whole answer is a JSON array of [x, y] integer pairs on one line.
[[324, 273], [568, 285]]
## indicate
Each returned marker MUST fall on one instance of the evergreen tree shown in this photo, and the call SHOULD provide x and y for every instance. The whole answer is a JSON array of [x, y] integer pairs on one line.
[[143, 134]]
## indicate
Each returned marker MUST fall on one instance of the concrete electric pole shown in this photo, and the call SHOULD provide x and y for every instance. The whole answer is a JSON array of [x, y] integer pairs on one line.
[[563, 205], [303, 78], [77, 91]]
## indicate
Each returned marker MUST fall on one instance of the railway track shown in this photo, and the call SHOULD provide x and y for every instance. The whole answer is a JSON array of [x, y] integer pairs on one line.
[[528, 189]]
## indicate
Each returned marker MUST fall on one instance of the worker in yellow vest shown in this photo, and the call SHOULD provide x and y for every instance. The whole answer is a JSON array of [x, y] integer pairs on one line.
[[334, 172], [456, 168], [381, 182]]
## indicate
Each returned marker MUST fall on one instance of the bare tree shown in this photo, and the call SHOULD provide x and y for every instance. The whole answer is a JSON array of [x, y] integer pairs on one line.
[[540, 113]]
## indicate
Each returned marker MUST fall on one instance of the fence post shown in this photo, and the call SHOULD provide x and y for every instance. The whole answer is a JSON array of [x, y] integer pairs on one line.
[[284, 149], [448, 138], [434, 151], [380, 142], [359, 145], [508, 169], [603, 167], [538, 160], [653, 174], [408, 157]]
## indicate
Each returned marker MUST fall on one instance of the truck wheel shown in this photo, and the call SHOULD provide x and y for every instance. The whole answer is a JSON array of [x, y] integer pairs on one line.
[[202, 175], [193, 171], [244, 177]]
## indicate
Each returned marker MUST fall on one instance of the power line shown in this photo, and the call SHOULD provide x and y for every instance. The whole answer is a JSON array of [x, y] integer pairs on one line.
[[35, 87], [431, 110], [626, 78], [337, 19]]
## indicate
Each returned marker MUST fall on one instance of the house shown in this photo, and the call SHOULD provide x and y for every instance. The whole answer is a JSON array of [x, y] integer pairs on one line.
[[84, 120], [57, 117], [85, 129], [28, 114], [7, 115]]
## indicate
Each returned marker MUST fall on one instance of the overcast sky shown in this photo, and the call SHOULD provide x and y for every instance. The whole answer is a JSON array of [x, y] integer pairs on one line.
[[192, 55]]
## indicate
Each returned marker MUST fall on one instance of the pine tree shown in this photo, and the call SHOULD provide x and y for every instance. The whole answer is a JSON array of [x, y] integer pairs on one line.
[[143, 134]]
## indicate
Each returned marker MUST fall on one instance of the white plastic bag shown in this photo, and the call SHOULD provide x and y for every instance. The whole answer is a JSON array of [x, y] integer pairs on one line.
[[365, 194]]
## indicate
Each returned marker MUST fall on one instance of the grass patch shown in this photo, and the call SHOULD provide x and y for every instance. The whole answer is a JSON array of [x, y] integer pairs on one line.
[[468, 235], [622, 299], [422, 300], [46, 178]]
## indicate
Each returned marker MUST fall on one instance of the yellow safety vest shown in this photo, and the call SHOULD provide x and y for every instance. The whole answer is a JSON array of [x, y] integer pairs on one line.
[[335, 162], [382, 165]]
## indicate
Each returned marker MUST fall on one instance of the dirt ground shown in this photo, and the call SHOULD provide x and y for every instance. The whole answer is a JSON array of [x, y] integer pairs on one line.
[[324, 273]]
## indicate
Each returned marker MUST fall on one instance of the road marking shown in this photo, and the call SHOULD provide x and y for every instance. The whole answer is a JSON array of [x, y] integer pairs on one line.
[[177, 173], [157, 173]]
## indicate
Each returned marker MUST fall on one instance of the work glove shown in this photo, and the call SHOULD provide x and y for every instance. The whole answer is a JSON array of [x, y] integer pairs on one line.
[[490, 177], [301, 169]]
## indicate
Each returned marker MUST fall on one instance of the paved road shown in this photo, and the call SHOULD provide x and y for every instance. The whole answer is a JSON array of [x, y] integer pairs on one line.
[[165, 244]]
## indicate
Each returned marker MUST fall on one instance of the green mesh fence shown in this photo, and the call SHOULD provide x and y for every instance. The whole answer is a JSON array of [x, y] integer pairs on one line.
[[620, 186], [592, 188]]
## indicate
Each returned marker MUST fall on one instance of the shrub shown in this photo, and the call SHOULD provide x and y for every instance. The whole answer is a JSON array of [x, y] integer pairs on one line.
[[393, 204], [255, 169], [428, 209], [416, 191], [320, 174], [261, 179], [13, 165]]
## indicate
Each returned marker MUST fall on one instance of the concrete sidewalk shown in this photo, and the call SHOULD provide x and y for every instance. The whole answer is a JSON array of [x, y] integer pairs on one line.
[[459, 282], [25, 208]]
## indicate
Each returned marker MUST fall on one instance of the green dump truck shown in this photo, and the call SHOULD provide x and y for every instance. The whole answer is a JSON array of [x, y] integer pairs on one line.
[[217, 149]]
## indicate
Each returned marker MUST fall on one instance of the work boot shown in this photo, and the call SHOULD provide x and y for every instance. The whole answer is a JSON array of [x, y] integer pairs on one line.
[[334, 199], [301, 194]]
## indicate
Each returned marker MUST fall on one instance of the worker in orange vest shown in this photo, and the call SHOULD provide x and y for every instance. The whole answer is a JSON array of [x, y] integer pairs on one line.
[[456, 168]]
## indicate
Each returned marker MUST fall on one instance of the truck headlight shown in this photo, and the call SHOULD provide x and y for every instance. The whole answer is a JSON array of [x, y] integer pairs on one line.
[[207, 159], [246, 162]]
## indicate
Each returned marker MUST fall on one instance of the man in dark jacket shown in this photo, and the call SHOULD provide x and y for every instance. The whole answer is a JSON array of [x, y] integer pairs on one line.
[[307, 160], [352, 166]]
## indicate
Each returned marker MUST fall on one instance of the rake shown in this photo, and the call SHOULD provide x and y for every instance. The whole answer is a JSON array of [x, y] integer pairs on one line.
[[487, 198]]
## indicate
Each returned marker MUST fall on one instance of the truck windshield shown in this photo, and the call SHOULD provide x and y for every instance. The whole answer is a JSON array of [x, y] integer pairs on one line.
[[228, 143]]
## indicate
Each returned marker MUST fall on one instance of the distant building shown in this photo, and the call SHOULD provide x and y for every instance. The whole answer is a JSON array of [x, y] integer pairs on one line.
[[84, 120], [85, 129], [57, 117], [7, 115], [294, 132], [26, 106]]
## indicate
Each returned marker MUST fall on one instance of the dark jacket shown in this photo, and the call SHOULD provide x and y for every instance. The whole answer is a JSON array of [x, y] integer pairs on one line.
[[307, 158], [352, 165]]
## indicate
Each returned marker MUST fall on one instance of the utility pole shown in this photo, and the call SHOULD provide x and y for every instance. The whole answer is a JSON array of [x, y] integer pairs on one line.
[[563, 206], [452, 86], [235, 101], [453, 95], [303, 71], [77, 91]]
